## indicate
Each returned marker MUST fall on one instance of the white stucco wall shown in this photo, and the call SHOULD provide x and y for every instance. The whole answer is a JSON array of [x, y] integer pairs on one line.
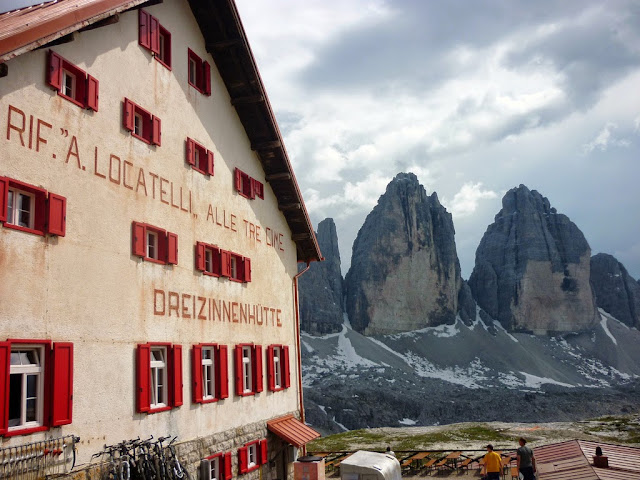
[[87, 287]]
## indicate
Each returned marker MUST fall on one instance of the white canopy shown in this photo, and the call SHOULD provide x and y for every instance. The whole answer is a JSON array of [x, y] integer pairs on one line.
[[364, 465]]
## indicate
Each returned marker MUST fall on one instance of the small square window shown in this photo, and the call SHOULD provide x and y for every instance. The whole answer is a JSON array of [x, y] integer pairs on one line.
[[252, 455], [71, 82], [152, 245], [199, 73], [277, 371], [208, 375], [164, 54], [214, 470], [138, 125], [141, 123], [247, 367]]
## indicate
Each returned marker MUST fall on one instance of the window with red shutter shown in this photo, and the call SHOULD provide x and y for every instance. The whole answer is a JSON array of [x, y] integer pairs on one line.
[[199, 157], [31, 209], [176, 375], [141, 123], [71, 82], [258, 188], [247, 186], [252, 455], [62, 384], [154, 37], [199, 73], [154, 244]]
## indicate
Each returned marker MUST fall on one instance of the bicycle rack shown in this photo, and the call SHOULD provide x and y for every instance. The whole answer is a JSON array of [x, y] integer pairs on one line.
[[33, 461]]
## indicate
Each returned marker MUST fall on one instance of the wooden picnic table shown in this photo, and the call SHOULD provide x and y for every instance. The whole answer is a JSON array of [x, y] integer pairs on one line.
[[414, 458], [453, 457]]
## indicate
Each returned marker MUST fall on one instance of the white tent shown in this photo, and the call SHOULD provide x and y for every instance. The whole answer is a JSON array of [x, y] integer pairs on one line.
[[364, 465]]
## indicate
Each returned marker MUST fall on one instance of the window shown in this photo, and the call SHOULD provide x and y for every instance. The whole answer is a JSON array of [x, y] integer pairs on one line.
[[216, 467], [154, 37], [158, 377], [209, 373], [252, 455], [278, 370], [154, 244], [199, 157], [213, 261], [248, 368], [31, 209], [247, 186], [235, 267], [199, 73], [71, 82], [141, 123], [37, 395]]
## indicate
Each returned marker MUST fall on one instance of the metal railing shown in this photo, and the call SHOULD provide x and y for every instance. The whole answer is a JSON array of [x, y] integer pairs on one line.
[[33, 461]]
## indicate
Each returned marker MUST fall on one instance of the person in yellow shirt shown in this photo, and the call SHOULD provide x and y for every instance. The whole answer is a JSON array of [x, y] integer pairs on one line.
[[492, 464]]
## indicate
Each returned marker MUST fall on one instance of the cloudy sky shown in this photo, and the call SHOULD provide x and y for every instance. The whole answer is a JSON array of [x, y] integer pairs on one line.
[[474, 97]]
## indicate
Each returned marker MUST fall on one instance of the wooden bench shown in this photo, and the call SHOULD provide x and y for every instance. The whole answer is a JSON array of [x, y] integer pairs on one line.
[[465, 463]]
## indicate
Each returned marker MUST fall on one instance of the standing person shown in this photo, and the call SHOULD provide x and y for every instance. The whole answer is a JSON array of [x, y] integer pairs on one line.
[[526, 460], [492, 464]]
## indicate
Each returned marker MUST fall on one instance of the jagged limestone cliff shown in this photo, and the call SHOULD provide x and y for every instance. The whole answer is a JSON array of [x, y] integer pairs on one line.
[[404, 273], [616, 291], [532, 268], [320, 288]]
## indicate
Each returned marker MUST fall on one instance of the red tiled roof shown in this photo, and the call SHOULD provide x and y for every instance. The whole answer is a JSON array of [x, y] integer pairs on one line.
[[292, 430], [573, 460]]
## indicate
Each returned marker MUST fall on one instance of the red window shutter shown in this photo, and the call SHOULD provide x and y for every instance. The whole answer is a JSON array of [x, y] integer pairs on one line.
[[252, 188], [40, 219], [4, 198], [56, 215], [262, 451], [246, 261], [196, 373], [144, 38], [62, 380], [128, 108], [257, 368], [200, 256], [286, 370], [154, 34], [138, 240], [156, 133], [176, 378], [225, 263], [172, 248], [270, 371], [206, 69], [191, 152], [143, 374], [222, 375], [5, 355], [54, 70], [238, 180], [226, 461], [217, 261], [210, 162], [92, 93], [238, 369], [242, 459]]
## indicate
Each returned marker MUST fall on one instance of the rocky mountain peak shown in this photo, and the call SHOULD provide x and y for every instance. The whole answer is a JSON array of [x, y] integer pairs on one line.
[[532, 268], [404, 271], [321, 287], [616, 291]]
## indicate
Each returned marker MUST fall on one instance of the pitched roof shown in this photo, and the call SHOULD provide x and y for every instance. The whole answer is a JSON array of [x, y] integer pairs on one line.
[[573, 460], [29, 28]]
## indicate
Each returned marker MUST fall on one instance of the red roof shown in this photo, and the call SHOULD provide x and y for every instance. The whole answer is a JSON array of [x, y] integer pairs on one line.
[[573, 460], [292, 430]]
